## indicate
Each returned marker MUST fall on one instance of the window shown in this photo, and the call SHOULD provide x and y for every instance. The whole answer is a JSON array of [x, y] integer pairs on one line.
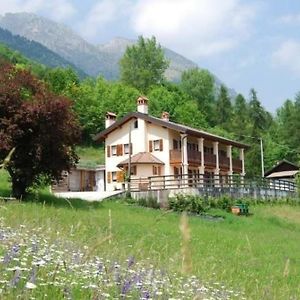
[[113, 150], [114, 176], [136, 124], [156, 145], [126, 148], [175, 144], [208, 150], [133, 170], [156, 170]]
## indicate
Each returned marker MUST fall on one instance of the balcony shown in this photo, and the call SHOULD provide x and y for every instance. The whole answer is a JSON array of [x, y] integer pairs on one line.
[[175, 156], [194, 157], [209, 160], [224, 162], [237, 165]]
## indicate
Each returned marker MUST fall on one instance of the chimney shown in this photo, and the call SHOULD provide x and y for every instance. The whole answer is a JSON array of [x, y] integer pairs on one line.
[[142, 105], [165, 116], [110, 118]]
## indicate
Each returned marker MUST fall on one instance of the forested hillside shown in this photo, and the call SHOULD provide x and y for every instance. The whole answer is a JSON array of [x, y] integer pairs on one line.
[[36, 51], [194, 101]]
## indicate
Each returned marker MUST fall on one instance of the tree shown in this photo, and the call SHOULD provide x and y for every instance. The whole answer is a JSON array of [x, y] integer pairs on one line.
[[200, 85], [38, 125], [223, 108], [61, 80], [143, 64]]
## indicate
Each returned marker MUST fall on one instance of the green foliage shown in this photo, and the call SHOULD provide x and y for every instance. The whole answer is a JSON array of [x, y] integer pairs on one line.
[[199, 84], [143, 64], [61, 80], [223, 109]]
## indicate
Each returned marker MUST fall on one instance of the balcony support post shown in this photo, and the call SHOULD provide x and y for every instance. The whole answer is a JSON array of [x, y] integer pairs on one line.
[[242, 158], [202, 164], [217, 169], [229, 155], [184, 158], [201, 149]]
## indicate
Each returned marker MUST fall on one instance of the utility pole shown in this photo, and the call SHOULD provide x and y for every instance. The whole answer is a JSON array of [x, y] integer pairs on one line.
[[129, 158], [262, 158]]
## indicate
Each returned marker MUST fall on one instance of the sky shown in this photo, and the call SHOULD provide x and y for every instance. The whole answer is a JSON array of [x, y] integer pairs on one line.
[[245, 43]]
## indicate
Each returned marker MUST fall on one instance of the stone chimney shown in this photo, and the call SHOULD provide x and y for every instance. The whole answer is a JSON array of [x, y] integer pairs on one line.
[[165, 116], [110, 118], [142, 105]]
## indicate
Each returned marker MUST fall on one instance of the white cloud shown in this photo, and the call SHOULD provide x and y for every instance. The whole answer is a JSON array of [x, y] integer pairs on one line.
[[58, 10], [195, 27], [287, 56], [101, 14], [290, 19]]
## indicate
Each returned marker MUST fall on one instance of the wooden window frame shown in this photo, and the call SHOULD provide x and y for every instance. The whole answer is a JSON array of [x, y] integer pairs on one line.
[[114, 150]]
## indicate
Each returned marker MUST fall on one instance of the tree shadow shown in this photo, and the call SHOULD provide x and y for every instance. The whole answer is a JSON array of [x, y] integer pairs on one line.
[[46, 198]]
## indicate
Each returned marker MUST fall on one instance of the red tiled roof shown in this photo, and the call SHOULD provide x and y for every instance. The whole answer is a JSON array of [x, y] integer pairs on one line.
[[142, 158], [167, 124]]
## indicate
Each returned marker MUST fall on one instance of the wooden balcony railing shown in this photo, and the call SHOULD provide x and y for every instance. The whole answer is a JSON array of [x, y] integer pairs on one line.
[[237, 165], [224, 162], [194, 157], [175, 156], [209, 160]]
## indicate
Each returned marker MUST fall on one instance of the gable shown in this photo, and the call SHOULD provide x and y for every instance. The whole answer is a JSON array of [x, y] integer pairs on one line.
[[281, 167]]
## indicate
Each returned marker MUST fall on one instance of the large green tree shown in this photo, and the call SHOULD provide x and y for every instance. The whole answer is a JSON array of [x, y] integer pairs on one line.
[[200, 85], [143, 64], [223, 109]]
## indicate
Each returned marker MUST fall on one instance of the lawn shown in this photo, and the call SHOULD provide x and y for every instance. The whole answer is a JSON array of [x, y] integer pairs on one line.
[[90, 156], [258, 255]]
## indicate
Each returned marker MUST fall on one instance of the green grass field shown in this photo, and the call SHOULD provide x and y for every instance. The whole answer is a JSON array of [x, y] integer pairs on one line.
[[258, 255], [90, 156]]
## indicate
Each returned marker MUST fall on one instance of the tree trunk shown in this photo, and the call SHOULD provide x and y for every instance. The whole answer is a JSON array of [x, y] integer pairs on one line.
[[19, 186]]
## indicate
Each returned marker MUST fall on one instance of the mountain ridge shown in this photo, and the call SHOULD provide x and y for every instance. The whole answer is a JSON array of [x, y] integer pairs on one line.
[[93, 59]]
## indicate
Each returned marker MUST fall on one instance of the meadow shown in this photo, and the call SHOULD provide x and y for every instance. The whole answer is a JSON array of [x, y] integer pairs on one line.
[[255, 257]]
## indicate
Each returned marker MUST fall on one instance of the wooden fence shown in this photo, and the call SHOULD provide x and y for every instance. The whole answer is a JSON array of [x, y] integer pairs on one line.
[[215, 182]]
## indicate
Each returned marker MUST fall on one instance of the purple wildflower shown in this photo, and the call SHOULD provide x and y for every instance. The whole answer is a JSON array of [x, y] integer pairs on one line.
[[32, 278], [16, 278], [11, 254], [126, 287], [131, 261]]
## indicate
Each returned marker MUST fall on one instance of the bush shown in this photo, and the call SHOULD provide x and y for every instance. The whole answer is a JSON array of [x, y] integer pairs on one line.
[[197, 205]]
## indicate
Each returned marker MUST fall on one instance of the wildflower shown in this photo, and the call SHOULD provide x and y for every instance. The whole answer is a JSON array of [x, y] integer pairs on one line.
[[30, 285]]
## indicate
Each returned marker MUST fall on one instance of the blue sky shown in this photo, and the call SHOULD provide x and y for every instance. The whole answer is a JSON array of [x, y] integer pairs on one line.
[[245, 43]]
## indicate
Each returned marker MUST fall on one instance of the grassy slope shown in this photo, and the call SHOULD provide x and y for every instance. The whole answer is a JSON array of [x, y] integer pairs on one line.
[[90, 156], [250, 254]]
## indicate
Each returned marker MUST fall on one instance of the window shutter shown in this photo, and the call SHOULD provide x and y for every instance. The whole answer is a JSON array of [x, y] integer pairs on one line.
[[120, 176], [108, 177], [161, 147], [119, 150], [159, 170], [134, 170], [130, 148], [150, 146], [153, 170], [108, 151]]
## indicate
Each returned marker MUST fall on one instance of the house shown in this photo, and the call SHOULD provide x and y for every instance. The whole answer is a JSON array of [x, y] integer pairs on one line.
[[152, 146], [283, 170], [82, 179]]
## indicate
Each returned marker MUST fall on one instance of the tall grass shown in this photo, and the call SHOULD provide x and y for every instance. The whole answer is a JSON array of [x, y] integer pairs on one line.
[[259, 254]]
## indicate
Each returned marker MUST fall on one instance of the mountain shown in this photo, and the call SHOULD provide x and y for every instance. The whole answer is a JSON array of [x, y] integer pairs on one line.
[[36, 51], [92, 59]]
